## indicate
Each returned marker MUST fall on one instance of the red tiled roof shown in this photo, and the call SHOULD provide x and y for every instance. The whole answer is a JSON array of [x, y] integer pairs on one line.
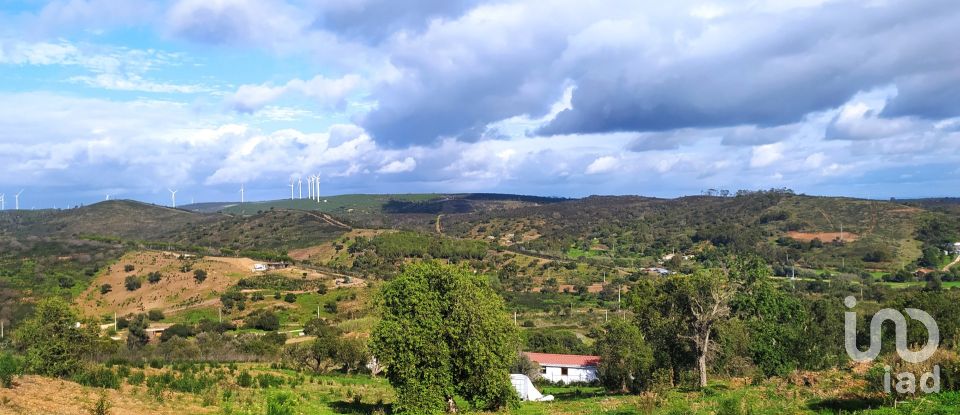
[[563, 359]]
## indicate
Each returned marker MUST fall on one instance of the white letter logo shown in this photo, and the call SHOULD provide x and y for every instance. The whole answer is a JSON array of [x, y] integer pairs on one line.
[[900, 324]]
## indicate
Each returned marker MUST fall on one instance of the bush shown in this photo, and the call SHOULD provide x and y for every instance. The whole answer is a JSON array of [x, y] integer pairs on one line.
[[155, 315], [199, 275], [263, 320], [128, 268], [10, 366], [132, 283], [281, 403], [105, 288], [102, 406], [98, 377], [244, 380], [136, 378], [176, 330], [154, 277], [290, 298]]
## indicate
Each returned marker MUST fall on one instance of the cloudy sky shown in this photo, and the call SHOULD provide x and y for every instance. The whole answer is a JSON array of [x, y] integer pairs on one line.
[[547, 97]]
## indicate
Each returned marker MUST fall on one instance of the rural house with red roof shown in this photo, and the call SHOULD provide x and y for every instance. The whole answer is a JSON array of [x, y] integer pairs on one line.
[[566, 368]]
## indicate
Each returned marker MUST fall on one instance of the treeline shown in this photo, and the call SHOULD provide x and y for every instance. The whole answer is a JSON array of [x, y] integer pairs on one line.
[[397, 245]]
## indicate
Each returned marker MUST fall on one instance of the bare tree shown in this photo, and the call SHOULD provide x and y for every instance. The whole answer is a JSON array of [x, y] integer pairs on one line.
[[709, 296]]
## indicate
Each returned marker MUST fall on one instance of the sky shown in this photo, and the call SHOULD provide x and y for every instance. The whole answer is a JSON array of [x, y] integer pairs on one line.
[[130, 98]]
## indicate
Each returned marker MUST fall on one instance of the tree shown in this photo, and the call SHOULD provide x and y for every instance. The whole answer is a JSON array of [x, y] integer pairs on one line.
[[154, 277], [709, 293], [199, 275], [625, 357], [290, 298], [137, 336], [263, 320], [155, 315], [132, 283], [105, 288], [52, 342], [443, 333]]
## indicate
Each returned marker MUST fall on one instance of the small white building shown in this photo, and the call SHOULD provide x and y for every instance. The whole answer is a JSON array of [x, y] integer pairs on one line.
[[956, 248], [259, 267], [566, 368]]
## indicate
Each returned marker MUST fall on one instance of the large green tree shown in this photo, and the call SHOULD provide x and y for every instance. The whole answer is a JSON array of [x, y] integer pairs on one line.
[[52, 342], [443, 333], [625, 357]]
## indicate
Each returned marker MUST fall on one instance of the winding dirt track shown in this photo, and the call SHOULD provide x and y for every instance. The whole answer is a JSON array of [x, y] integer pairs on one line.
[[950, 265]]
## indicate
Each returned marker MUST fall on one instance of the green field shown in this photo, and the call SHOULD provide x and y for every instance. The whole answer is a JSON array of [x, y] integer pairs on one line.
[[359, 203]]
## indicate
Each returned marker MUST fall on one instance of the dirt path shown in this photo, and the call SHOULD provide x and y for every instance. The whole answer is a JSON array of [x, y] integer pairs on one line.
[[950, 265], [327, 218], [439, 225]]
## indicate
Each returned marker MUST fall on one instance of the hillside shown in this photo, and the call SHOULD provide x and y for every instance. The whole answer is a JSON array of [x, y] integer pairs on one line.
[[772, 224], [124, 219]]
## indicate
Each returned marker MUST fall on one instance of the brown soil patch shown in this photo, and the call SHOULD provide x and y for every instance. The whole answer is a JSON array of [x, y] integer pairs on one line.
[[37, 395], [176, 290], [326, 251], [823, 236]]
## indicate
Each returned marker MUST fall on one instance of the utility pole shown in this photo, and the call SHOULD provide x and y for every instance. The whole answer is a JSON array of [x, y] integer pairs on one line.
[[515, 317], [318, 311], [220, 315]]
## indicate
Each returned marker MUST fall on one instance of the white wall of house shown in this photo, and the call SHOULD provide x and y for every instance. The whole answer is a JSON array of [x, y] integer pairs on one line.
[[568, 374]]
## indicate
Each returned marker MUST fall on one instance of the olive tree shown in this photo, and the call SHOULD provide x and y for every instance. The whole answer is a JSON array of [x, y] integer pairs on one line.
[[443, 333], [53, 342]]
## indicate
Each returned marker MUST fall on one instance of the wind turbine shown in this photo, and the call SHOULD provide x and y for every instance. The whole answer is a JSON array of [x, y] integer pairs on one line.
[[173, 197], [300, 183], [16, 199], [317, 182], [241, 192], [310, 187], [291, 188], [3, 203]]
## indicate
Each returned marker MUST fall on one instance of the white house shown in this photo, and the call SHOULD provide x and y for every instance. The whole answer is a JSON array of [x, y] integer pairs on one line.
[[566, 368], [956, 248]]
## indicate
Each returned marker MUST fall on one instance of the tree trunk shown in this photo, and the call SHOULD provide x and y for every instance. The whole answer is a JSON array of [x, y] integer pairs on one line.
[[702, 364], [702, 359]]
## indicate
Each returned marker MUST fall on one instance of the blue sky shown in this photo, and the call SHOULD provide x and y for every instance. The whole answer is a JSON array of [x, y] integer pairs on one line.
[[547, 97]]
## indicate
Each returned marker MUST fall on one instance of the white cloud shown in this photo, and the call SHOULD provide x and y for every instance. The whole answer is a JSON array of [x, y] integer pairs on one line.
[[330, 93], [113, 68], [603, 164], [766, 155], [399, 166]]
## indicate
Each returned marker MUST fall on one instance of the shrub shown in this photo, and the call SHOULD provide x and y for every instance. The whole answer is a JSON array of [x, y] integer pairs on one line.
[[244, 380], [128, 268], [101, 406], [10, 366], [154, 277], [155, 315], [290, 298], [105, 288], [98, 377], [136, 378], [281, 403], [263, 320], [132, 283], [175, 330], [199, 275]]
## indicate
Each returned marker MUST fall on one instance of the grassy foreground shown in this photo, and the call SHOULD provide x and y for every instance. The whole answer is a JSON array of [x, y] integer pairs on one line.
[[830, 393]]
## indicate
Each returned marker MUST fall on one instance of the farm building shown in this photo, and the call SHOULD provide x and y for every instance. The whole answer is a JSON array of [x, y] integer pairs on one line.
[[269, 266], [566, 368]]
